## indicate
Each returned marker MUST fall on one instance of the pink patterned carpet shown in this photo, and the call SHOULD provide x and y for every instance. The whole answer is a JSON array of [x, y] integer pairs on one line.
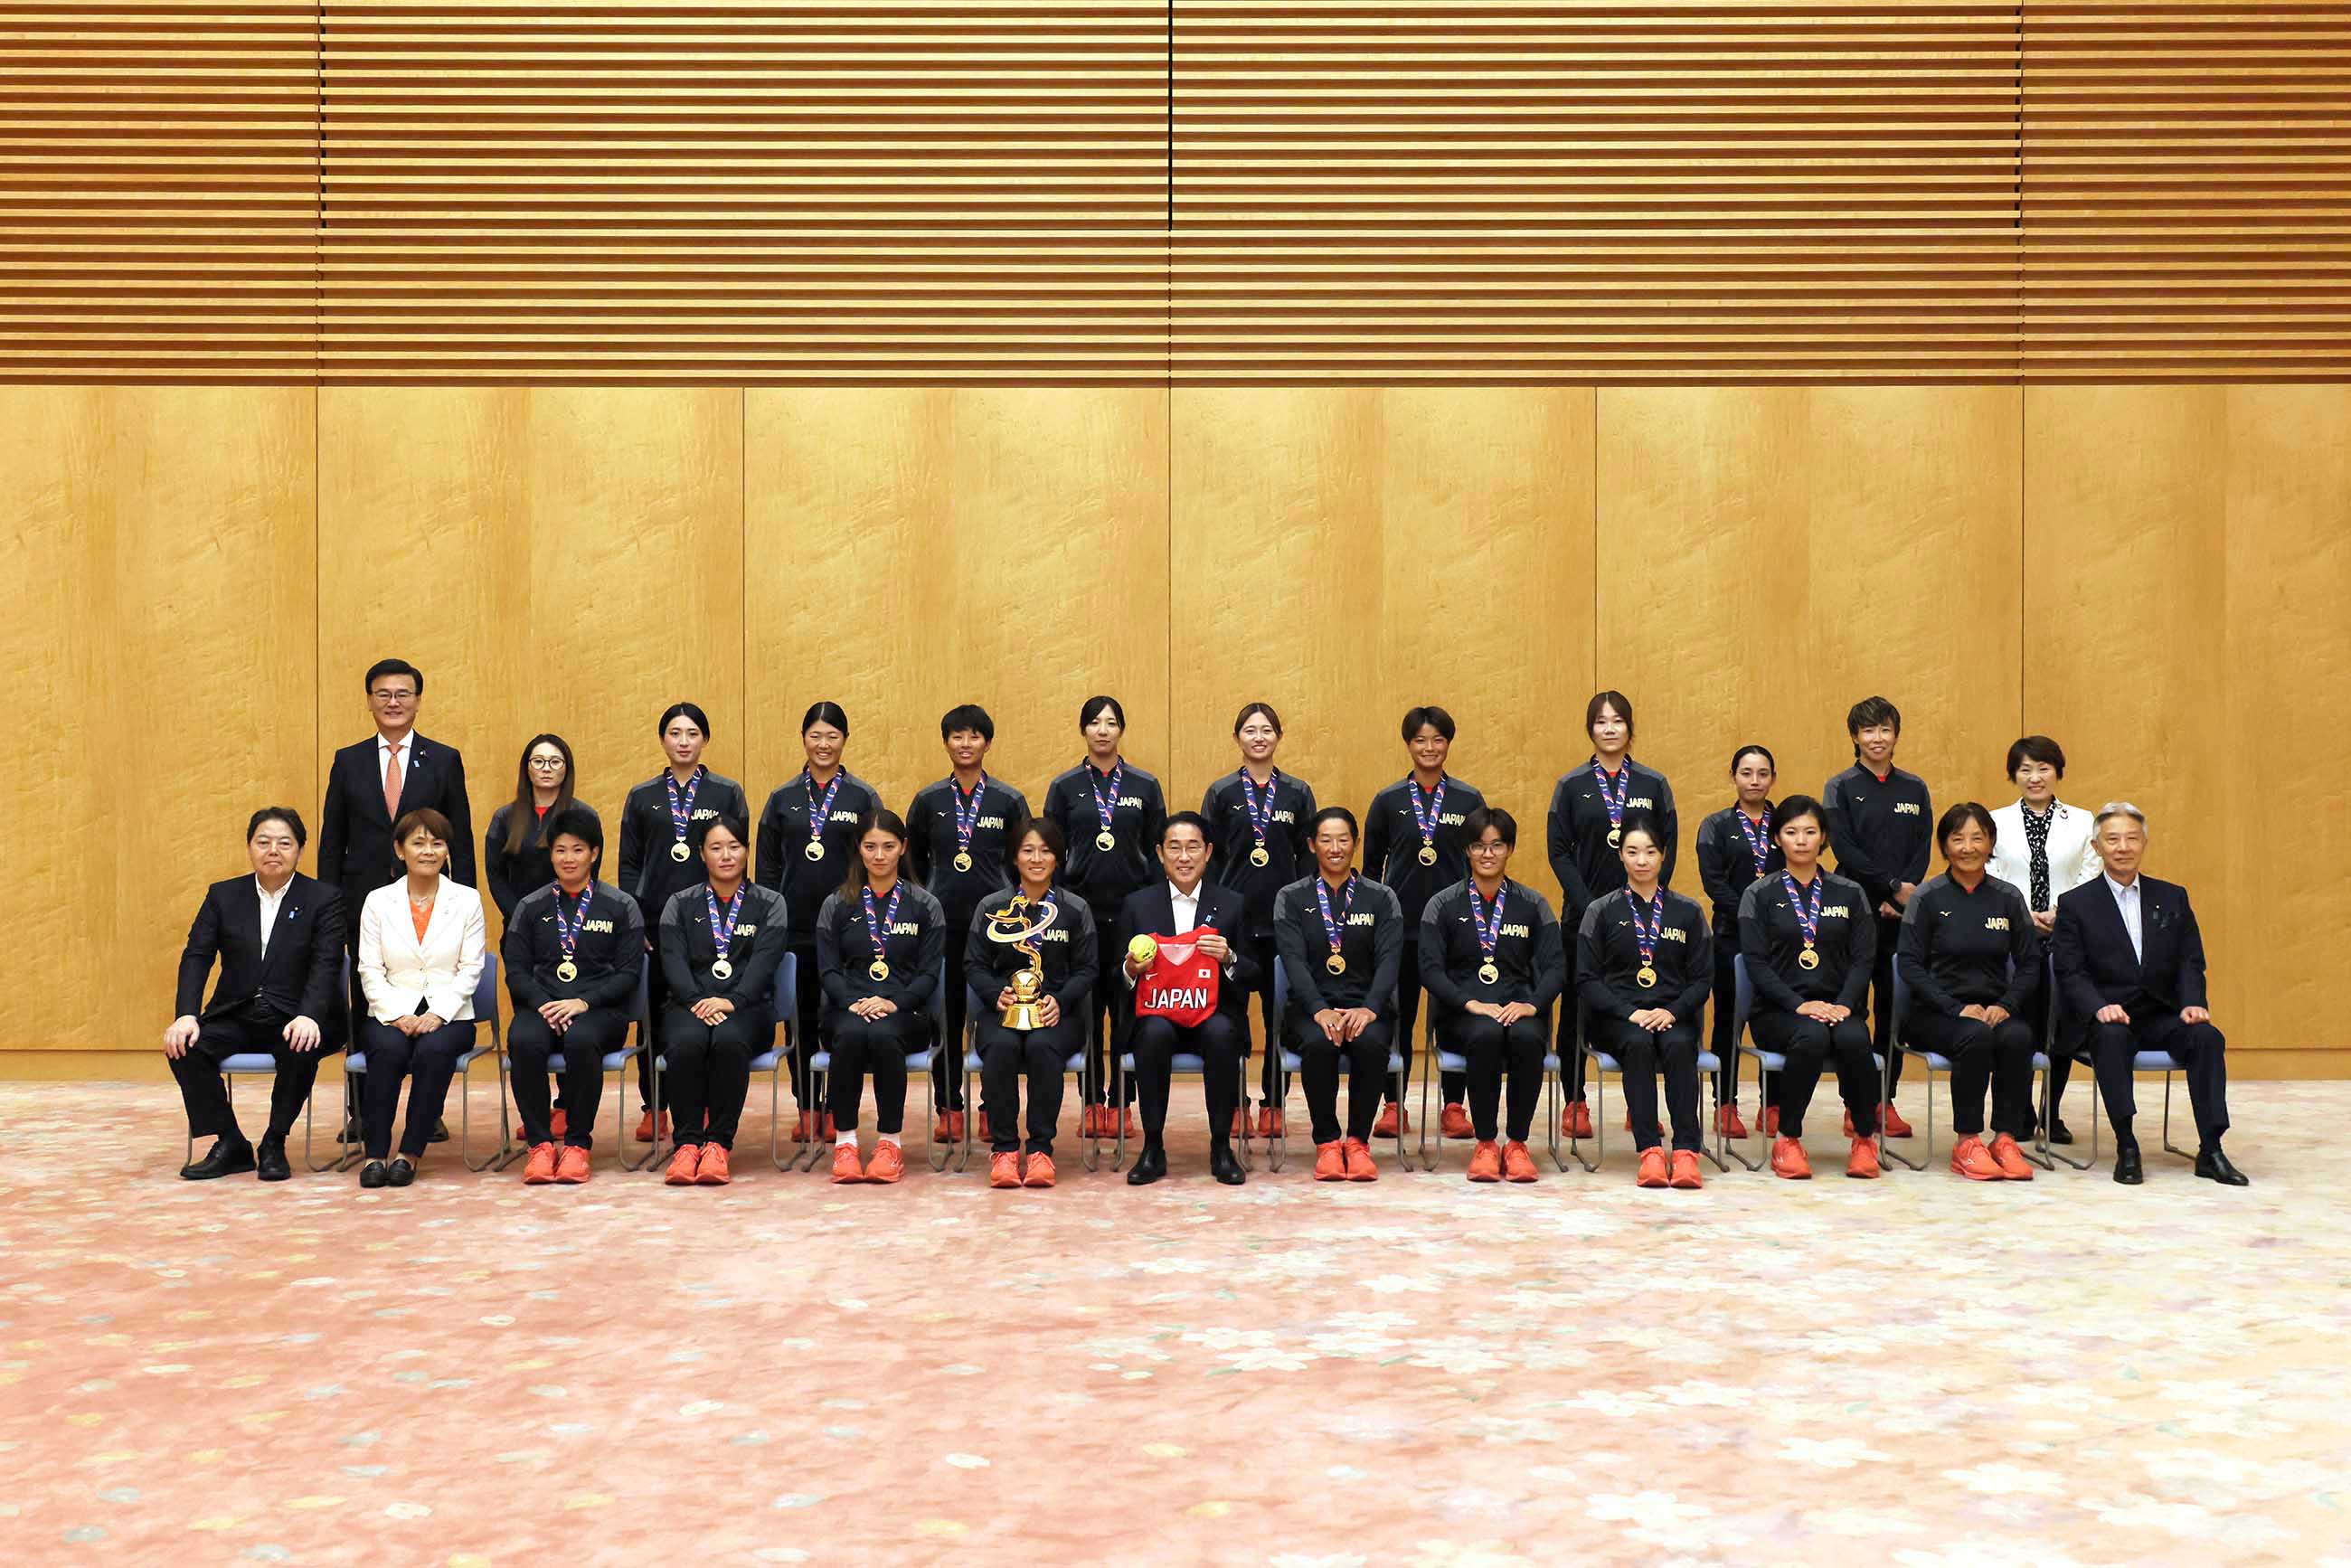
[[1915, 1371]]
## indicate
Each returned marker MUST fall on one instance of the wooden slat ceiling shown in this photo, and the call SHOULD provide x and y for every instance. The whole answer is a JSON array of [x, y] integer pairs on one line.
[[1195, 191]]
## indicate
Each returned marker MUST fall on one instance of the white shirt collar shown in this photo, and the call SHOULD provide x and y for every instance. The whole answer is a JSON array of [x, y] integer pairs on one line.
[[2121, 888], [1178, 894], [407, 747]]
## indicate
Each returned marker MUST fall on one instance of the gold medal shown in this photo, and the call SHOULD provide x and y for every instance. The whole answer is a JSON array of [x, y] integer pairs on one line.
[[1336, 963], [962, 861], [815, 849], [1489, 973], [1645, 976], [878, 970], [1615, 838], [1258, 856], [721, 969], [1428, 854], [678, 851], [1105, 839], [1808, 958], [566, 971]]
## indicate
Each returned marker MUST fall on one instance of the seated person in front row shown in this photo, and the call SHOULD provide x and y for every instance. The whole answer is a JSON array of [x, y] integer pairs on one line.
[[574, 950], [1493, 962], [1067, 950], [721, 941], [1644, 962], [280, 939], [880, 944], [1809, 940], [1339, 937], [1180, 903], [422, 943], [2130, 973]]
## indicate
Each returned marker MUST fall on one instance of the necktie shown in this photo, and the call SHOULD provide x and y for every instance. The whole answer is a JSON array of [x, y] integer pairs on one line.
[[392, 783]]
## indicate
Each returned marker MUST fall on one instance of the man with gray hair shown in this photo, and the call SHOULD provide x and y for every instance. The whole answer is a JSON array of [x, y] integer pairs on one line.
[[2130, 969]]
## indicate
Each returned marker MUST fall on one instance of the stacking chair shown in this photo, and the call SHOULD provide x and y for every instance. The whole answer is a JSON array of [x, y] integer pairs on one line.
[[1190, 1064], [1454, 1061], [1600, 1062], [1937, 1062], [774, 1058], [616, 1063], [1078, 1063], [1277, 1147], [2141, 1061], [485, 1011], [821, 1076], [1766, 1064]]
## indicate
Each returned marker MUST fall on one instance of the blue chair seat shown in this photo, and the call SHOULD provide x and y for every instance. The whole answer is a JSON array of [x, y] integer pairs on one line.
[[767, 1062], [1707, 1062], [2155, 1062], [613, 1060], [249, 1062]]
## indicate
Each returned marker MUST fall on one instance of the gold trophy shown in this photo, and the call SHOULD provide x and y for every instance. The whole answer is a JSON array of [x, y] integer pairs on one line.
[[1012, 924]]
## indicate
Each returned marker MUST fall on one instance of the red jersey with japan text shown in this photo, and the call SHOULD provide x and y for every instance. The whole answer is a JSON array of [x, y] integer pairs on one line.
[[1181, 984]]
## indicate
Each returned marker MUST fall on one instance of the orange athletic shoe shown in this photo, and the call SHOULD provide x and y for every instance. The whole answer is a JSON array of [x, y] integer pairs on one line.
[[1090, 1121], [572, 1168], [1392, 1122], [1685, 1173], [945, 1132], [1272, 1125], [1361, 1167], [1727, 1121], [646, 1126], [979, 1133], [807, 1127], [559, 1124], [1241, 1123], [1653, 1167], [2010, 1159], [846, 1167], [714, 1169], [1456, 1122], [1863, 1166], [888, 1163], [1891, 1120], [683, 1165], [1486, 1162], [1770, 1121], [1331, 1161], [1517, 1164], [1575, 1122], [1970, 1159], [1788, 1160], [1041, 1172], [539, 1170], [1003, 1169]]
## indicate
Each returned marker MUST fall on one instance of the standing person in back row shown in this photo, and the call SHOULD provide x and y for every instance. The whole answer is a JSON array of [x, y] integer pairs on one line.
[[1109, 811], [961, 831], [1882, 828], [1584, 836], [1258, 845], [1415, 844], [658, 856]]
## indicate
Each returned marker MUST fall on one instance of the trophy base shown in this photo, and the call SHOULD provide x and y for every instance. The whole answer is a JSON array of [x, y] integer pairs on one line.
[[1023, 1016]]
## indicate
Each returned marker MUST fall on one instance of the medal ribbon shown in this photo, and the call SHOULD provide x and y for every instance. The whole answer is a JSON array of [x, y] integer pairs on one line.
[[722, 933], [1258, 820], [1808, 921], [1104, 809], [820, 812], [1428, 822], [682, 815], [878, 926], [567, 937], [1615, 802], [1488, 932], [965, 820], [1335, 929], [1645, 936], [1757, 837]]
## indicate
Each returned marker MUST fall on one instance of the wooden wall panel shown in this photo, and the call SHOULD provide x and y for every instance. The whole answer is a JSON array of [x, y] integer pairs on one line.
[[910, 551], [1348, 554], [156, 664], [2192, 656], [1768, 557], [564, 560]]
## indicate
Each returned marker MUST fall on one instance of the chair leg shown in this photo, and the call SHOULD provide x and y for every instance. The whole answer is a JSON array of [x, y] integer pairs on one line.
[[1599, 1117], [1428, 1162], [934, 1152], [1399, 1083], [775, 1116], [1886, 1098], [1552, 1107], [1708, 1092], [1763, 1099], [1248, 1162]]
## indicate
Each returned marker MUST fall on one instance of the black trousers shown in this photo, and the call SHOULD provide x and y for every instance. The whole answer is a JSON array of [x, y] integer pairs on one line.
[[254, 1029], [1571, 1058], [1111, 1007], [878, 1046], [1272, 1084], [1493, 1053], [1982, 1056], [707, 1071], [1725, 1020], [657, 1015], [946, 1072], [811, 1002], [1006, 1053], [1809, 1045], [1881, 1002], [583, 1046], [1454, 1084], [2044, 1020], [429, 1059], [1642, 1055], [1366, 1058], [2201, 1050], [1221, 1044]]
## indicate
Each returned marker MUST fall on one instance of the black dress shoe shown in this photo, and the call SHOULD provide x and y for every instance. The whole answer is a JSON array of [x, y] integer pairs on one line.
[[1225, 1167], [2213, 1165], [2059, 1132], [373, 1173], [228, 1156], [271, 1160], [440, 1132], [2126, 1168], [1149, 1166], [403, 1172]]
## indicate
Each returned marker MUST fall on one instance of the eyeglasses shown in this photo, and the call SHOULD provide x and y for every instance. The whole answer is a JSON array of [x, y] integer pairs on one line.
[[392, 696], [547, 762]]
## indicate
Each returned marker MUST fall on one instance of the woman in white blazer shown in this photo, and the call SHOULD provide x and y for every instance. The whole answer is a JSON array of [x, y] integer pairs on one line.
[[2045, 848], [421, 945]]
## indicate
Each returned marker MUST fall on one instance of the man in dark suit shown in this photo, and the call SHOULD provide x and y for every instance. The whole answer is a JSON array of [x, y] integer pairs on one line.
[[1185, 901], [280, 939], [2130, 968]]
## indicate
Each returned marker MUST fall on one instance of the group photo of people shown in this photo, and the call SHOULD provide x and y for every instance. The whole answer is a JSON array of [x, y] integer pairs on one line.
[[979, 940]]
